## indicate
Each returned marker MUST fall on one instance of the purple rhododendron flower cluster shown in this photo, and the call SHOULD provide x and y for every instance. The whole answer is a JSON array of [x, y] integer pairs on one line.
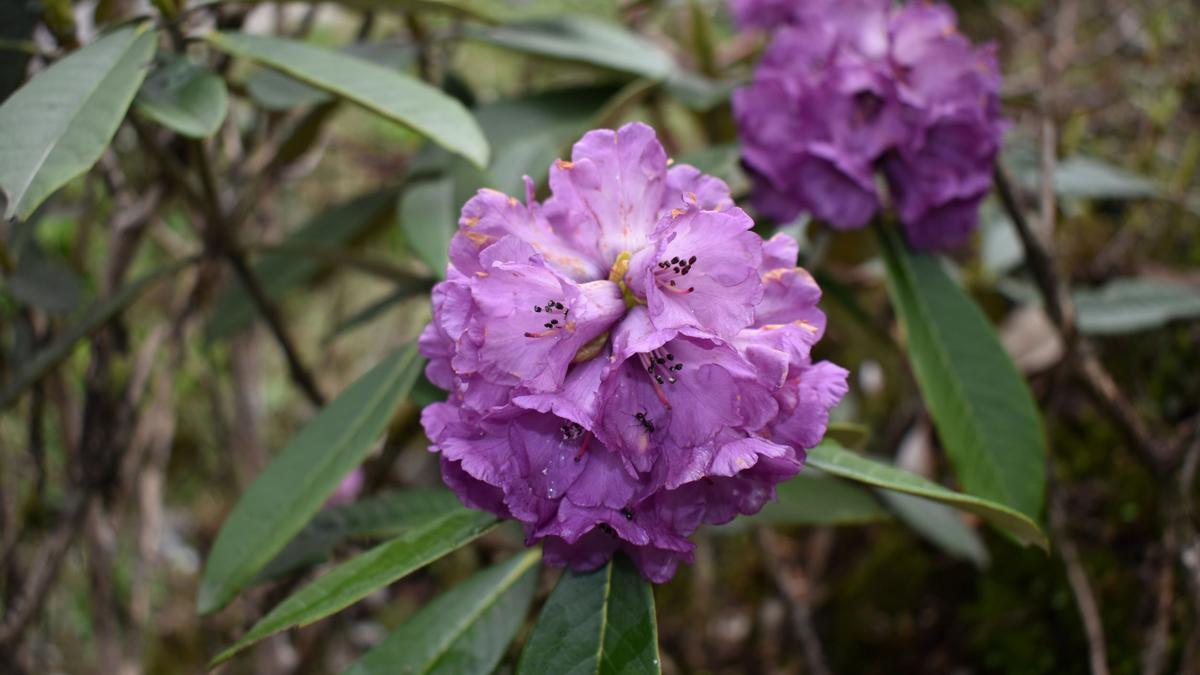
[[626, 360], [847, 88]]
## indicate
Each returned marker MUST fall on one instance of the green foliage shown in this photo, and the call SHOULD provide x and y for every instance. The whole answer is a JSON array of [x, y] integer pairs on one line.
[[302, 476], [980, 404], [56, 126], [463, 631], [814, 498], [92, 320], [1130, 305], [384, 515], [378, 567], [584, 40], [283, 270], [840, 462], [396, 96], [426, 216], [601, 622], [184, 97]]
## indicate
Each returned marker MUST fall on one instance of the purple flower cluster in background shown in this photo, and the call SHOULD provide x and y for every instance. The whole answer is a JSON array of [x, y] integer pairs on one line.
[[848, 88], [626, 361]]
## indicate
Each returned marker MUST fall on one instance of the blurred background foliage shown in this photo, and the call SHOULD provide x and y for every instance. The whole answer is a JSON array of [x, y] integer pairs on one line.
[[343, 215]]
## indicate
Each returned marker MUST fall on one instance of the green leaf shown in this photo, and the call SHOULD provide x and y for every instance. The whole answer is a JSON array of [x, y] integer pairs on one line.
[[56, 126], [463, 631], [394, 95], [599, 623], [43, 282], [585, 40], [1131, 305], [479, 10], [96, 316], [814, 498], [1090, 178], [939, 524], [361, 575], [184, 97], [980, 405], [428, 218], [286, 495], [840, 462], [273, 90], [384, 515], [280, 271]]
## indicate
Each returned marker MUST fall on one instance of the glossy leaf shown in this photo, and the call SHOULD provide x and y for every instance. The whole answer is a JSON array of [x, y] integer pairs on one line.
[[600, 623], [838, 461], [363, 574], [814, 498], [1131, 305], [463, 631], [394, 95], [281, 271], [428, 216], [480, 10], [56, 126], [983, 411], [384, 515], [184, 97], [584, 40], [96, 316], [286, 495]]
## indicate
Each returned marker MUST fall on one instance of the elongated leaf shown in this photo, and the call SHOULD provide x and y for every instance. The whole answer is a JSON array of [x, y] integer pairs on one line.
[[814, 498], [279, 272], [463, 631], [584, 40], [938, 523], [394, 95], [56, 126], [384, 515], [96, 316], [980, 405], [1131, 305], [838, 461], [599, 623], [378, 567], [1088, 177], [284, 497], [273, 90], [184, 97]]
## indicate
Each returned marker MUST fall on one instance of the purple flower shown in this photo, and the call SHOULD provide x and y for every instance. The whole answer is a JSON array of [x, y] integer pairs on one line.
[[848, 89], [626, 361]]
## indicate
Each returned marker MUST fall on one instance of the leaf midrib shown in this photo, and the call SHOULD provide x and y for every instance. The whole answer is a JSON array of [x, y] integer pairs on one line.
[[935, 336]]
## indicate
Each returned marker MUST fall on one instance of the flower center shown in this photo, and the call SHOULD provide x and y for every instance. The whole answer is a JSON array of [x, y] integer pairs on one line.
[[550, 309], [669, 274], [659, 365]]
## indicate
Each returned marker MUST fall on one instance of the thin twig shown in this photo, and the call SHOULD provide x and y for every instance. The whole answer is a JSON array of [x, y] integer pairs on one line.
[[220, 238], [1081, 588]]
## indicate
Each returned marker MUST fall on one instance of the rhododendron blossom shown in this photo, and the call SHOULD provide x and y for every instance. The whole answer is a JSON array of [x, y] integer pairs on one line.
[[626, 361], [851, 88]]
